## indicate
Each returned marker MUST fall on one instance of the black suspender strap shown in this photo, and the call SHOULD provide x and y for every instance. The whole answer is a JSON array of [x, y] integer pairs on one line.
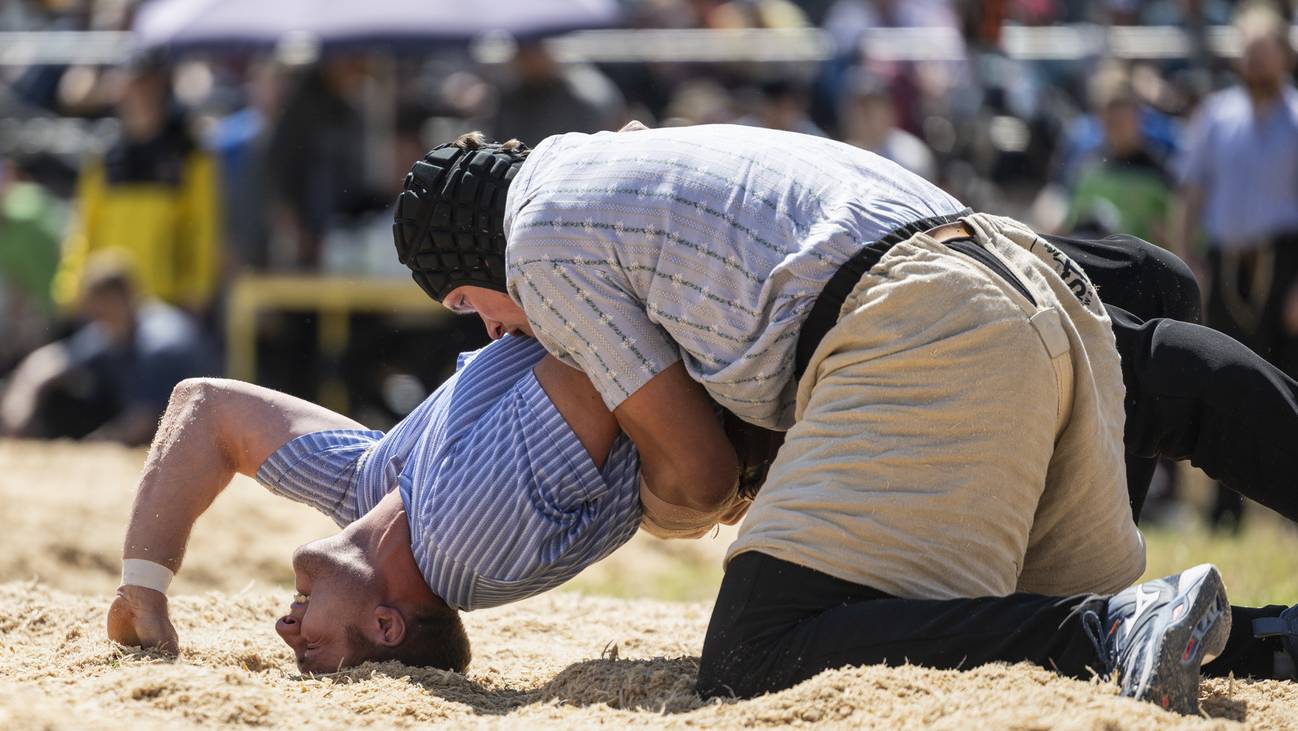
[[824, 313]]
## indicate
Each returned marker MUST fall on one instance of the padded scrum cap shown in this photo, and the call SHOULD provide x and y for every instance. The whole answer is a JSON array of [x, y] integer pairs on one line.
[[449, 226]]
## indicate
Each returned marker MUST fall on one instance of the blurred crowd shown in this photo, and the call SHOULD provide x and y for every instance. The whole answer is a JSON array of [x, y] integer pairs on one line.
[[133, 195]]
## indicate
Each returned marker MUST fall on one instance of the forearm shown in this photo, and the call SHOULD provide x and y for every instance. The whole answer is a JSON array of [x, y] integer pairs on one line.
[[187, 467], [704, 490], [580, 405], [685, 457], [28, 386]]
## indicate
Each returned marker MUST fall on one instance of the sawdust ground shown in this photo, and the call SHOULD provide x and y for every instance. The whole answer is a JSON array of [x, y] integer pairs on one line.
[[564, 659]]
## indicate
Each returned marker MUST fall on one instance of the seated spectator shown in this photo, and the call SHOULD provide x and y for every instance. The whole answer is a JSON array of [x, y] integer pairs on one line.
[[110, 379]]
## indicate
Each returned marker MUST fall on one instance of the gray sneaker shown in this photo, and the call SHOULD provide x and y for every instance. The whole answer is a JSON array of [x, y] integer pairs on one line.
[[1155, 635]]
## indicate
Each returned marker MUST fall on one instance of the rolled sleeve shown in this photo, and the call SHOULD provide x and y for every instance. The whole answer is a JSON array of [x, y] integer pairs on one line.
[[321, 470], [582, 312]]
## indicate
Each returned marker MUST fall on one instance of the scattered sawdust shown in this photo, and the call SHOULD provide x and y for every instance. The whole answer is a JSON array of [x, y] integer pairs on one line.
[[561, 660], [64, 506], [538, 663]]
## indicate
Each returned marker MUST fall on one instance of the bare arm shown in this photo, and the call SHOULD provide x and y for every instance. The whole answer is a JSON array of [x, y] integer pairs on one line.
[[580, 406], [685, 458], [584, 411], [212, 429], [28, 384]]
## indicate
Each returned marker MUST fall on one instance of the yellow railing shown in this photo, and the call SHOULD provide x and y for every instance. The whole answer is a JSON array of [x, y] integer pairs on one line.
[[333, 298]]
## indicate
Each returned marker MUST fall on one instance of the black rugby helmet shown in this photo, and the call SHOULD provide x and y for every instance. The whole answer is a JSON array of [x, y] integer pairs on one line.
[[450, 217]]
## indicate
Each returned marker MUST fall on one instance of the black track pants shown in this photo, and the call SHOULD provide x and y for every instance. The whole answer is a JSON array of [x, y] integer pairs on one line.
[[776, 624], [1192, 392]]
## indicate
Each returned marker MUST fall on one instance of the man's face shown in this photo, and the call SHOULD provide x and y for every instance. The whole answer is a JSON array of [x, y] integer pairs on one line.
[[1121, 120], [112, 310], [1265, 63], [335, 590], [500, 314], [143, 105]]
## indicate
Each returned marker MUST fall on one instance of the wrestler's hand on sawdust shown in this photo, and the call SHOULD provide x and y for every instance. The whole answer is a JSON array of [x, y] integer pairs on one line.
[[138, 617]]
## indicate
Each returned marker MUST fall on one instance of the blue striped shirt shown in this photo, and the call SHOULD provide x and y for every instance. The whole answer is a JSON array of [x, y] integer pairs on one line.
[[503, 500]]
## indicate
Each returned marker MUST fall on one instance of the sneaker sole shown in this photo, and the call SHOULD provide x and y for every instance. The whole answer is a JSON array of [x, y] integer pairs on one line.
[[1197, 634]]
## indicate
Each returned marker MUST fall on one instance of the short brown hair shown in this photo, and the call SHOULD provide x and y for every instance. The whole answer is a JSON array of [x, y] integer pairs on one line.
[[435, 638], [475, 140]]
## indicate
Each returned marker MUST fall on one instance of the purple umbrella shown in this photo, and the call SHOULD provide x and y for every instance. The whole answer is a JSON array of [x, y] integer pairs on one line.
[[176, 24]]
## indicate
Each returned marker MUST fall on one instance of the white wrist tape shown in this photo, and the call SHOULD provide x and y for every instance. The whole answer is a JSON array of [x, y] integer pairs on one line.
[[150, 575]]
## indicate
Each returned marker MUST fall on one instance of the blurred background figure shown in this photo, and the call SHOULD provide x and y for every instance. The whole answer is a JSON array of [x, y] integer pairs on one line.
[[783, 103], [1239, 184], [152, 197], [867, 118], [699, 102], [1240, 190], [919, 85], [112, 377], [1123, 185], [32, 221], [544, 97], [239, 141], [315, 160]]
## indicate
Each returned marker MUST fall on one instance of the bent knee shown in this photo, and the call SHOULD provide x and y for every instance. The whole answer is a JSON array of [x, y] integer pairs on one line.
[[1174, 285], [734, 671], [719, 678]]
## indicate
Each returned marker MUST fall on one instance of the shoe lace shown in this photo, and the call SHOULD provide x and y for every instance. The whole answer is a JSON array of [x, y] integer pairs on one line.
[[1100, 638]]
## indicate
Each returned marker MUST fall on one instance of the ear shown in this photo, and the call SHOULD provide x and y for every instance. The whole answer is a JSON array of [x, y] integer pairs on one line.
[[391, 626]]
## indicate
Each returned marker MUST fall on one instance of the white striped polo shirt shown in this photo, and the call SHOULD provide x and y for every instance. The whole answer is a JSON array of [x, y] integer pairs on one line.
[[630, 251]]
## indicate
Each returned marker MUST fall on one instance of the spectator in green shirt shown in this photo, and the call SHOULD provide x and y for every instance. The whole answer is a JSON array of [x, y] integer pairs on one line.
[[31, 226], [1126, 187]]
